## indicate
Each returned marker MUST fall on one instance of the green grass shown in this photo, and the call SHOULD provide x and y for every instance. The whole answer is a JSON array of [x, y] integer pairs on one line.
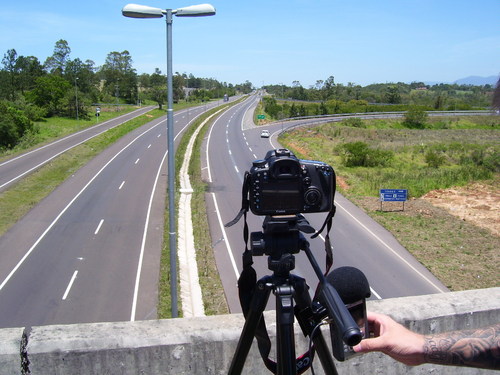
[[459, 253], [53, 128], [212, 291], [469, 154]]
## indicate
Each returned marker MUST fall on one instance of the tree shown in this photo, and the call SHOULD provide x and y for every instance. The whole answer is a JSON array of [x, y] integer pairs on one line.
[[392, 95], [9, 66], [13, 125], [415, 118], [28, 70], [178, 87], [49, 92], [56, 64], [119, 76]]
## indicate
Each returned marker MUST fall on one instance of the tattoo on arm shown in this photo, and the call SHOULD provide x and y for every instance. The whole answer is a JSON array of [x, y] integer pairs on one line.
[[473, 348]]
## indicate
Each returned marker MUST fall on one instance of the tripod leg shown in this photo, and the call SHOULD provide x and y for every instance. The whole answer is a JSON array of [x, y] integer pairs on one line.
[[305, 318], [285, 335], [252, 319]]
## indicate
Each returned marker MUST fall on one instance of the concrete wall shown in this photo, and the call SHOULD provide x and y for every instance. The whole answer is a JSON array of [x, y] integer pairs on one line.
[[206, 345]]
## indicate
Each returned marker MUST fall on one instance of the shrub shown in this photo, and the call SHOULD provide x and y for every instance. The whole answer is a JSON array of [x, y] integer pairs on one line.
[[415, 118], [434, 159], [359, 154]]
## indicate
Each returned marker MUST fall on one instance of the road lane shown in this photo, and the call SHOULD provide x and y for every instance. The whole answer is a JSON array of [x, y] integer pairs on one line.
[[357, 240], [15, 168], [88, 240]]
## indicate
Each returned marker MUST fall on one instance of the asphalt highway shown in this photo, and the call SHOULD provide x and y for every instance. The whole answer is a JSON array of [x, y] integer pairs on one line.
[[15, 168], [231, 145], [89, 252]]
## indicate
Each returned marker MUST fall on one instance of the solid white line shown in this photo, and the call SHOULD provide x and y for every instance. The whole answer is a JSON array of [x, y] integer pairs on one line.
[[121, 185], [99, 226], [375, 293], [42, 236], [56, 155], [224, 235], [143, 242], [70, 285], [391, 249], [371, 289], [146, 224]]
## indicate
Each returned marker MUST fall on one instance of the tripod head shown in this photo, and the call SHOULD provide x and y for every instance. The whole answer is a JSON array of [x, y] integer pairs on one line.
[[280, 239]]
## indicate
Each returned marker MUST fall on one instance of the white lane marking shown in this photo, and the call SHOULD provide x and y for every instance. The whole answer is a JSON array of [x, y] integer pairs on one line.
[[68, 288], [143, 242], [42, 236], [137, 161], [121, 185], [224, 235], [375, 293], [99, 226], [146, 224], [149, 146], [59, 153], [391, 249], [372, 290]]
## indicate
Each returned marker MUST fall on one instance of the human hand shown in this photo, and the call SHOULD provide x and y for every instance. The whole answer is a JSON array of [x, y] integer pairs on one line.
[[392, 339]]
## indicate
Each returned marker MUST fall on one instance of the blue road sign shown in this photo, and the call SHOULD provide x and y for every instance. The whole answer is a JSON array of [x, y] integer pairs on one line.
[[393, 195]]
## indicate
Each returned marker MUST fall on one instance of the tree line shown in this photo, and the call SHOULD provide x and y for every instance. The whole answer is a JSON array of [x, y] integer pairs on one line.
[[328, 97], [62, 86]]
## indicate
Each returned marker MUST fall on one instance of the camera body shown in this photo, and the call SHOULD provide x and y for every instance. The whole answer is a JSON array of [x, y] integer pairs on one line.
[[281, 184]]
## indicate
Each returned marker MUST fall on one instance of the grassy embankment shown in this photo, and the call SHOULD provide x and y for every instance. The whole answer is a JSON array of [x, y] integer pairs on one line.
[[448, 152], [25, 194], [212, 291]]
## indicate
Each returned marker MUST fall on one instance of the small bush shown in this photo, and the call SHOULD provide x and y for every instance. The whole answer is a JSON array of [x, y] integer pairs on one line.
[[434, 159], [359, 154], [354, 122], [415, 118]]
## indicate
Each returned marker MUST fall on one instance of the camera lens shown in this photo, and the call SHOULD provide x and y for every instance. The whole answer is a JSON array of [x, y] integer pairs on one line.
[[312, 196]]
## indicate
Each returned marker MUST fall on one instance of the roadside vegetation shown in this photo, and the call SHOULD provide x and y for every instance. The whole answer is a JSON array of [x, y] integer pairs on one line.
[[214, 300], [328, 97], [32, 92], [25, 194], [437, 153]]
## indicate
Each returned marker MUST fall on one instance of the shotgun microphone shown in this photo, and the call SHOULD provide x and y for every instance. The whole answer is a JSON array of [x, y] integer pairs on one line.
[[352, 286]]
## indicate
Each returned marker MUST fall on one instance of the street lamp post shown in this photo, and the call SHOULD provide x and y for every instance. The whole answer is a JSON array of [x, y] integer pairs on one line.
[[142, 11]]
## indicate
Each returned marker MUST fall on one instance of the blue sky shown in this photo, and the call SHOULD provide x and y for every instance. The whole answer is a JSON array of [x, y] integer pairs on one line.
[[274, 41]]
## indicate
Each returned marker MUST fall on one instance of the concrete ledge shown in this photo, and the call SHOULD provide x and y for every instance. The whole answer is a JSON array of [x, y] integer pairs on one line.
[[206, 345]]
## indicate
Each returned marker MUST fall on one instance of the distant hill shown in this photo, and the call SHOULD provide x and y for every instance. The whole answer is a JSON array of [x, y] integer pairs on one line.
[[472, 80], [477, 81]]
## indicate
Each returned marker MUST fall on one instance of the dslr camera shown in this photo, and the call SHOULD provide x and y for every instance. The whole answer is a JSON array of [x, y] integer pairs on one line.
[[282, 184]]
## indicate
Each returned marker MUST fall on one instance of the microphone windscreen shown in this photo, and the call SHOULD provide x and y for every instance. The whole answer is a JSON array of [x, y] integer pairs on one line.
[[351, 284]]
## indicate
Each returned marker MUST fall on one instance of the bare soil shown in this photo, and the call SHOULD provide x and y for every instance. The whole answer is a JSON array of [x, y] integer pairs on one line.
[[453, 232], [477, 203]]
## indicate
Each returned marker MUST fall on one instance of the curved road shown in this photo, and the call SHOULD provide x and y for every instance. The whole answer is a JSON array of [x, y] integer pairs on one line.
[[232, 143]]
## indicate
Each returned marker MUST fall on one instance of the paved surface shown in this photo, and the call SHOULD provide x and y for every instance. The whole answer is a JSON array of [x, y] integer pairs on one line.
[[231, 146]]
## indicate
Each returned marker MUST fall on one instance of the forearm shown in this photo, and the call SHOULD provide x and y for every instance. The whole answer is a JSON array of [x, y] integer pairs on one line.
[[474, 348]]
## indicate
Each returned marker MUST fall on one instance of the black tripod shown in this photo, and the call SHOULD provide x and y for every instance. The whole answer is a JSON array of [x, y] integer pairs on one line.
[[283, 233]]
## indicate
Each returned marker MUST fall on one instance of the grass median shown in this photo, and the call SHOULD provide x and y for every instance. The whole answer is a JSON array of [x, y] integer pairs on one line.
[[214, 300]]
